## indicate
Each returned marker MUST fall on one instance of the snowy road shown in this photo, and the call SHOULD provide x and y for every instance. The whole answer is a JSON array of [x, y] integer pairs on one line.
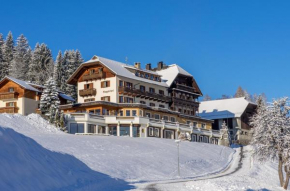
[[242, 174]]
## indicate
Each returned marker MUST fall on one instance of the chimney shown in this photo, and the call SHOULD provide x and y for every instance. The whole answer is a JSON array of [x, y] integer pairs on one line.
[[148, 66], [160, 65], [137, 65]]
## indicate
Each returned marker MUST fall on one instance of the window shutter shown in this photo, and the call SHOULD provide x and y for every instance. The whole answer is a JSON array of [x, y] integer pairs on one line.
[[85, 87], [102, 98], [102, 84], [108, 98], [108, 84], [91, 86]]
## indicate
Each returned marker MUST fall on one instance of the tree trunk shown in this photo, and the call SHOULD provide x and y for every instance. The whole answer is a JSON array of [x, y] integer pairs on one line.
[[280, 171], [285, 186]]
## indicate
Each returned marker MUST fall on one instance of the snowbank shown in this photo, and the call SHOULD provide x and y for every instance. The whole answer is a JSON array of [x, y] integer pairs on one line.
[[45, 151]]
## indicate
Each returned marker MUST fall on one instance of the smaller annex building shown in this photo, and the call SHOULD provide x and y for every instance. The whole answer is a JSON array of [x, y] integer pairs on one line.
[[18, 96], [235, 112]]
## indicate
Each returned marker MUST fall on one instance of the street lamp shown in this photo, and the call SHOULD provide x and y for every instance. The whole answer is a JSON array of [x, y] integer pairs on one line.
[[177, 142]]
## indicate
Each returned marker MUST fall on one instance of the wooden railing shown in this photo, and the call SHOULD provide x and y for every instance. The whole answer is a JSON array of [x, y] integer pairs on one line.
[[9, 110], [94, 76], [185, 102], [145, 94], [8, 95], [88, 92], [185, 88]]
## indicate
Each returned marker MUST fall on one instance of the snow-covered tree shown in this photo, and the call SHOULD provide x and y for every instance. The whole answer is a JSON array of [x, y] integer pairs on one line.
[[49, 101], [239, 93], [271, 125], [57, 73], [1, 55], [21, 59], [41, 67], [206, 98], [8, 51]]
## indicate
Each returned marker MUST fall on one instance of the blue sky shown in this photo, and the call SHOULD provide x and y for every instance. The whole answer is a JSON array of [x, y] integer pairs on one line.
[[223, 44]]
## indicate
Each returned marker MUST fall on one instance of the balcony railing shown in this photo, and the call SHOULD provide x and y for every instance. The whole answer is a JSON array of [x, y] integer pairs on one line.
[[185, 102], [145, 94], [94, 76], [88, 92], [8, 109], [8, 95], [185, 88]]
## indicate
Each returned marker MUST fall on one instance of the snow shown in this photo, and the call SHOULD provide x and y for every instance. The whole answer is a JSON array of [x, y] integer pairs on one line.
[[246, 174], [66, 97], [34, 155], [224, 108]]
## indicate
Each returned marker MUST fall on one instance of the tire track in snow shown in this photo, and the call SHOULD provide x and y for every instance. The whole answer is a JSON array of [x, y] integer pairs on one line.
[[152, 187]]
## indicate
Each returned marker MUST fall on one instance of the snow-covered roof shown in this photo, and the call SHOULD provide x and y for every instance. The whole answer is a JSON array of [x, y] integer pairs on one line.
[[169, 74], [66, 97], [24, 84], [224, 108], [119, 69]]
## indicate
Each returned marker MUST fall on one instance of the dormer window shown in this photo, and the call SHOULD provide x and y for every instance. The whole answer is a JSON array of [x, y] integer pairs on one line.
[[92, 71], [147, 76], [137, 73], [142, 75], [151, 77], [156, 78]]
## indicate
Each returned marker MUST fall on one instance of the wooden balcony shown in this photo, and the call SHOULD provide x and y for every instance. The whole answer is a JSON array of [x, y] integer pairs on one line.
[[185, 88], [88, 92], [94, 76], [179, 101], [144, 94], [8, 95], [8, 109]]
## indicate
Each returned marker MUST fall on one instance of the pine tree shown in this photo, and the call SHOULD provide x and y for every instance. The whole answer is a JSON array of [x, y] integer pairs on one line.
[[271, 125], [240, 92], [1, 55], [41, 67], [49, 101], [206, 98], [21, 58], [65, 63], [8, 51], [57, 74]]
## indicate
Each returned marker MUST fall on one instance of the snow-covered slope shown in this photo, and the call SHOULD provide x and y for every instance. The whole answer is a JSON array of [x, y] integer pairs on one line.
[[36, 155]]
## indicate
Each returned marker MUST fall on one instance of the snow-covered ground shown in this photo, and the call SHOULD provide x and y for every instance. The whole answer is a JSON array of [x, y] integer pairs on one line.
[[244, 174], [36, 156]]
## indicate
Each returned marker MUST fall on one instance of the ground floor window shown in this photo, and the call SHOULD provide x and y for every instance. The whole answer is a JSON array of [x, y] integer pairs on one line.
[[76, 128], [91, 128], [136, 131], [113, 130], [168, 134], [194, 138], [200, 138], [205, 139], [101, 129], [153, 132], [125, 131]]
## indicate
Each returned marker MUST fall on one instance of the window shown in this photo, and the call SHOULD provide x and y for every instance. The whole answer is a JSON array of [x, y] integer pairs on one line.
[[121, 99], [156, 116], [136, 131], [128, 113], [153, 132], [151, 90], [124, 131], [129, 85], [10, 89], [142, 75], [128, 100], [147, 76], [91, 111], [101, 129], [162, 106], [141, 113], [105, 84], [76, 128], [148, 115], [151, 77], [105, 111], [92, 71], [10, 104], [193, 138], [169, 134], [200, 139], [134, 113], [105, 98], [194, 124], [205, 139], [121, 83], [91, 128], [203, 125], [165, 118], [179, 110], [98, 112], [142, 88], [172, 119], [152, 104], [88, 86], [156, 78], [88, 100], [143, 102], [188, 122], [137, 73], [121, 113], [113, 130], [161, 92]]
